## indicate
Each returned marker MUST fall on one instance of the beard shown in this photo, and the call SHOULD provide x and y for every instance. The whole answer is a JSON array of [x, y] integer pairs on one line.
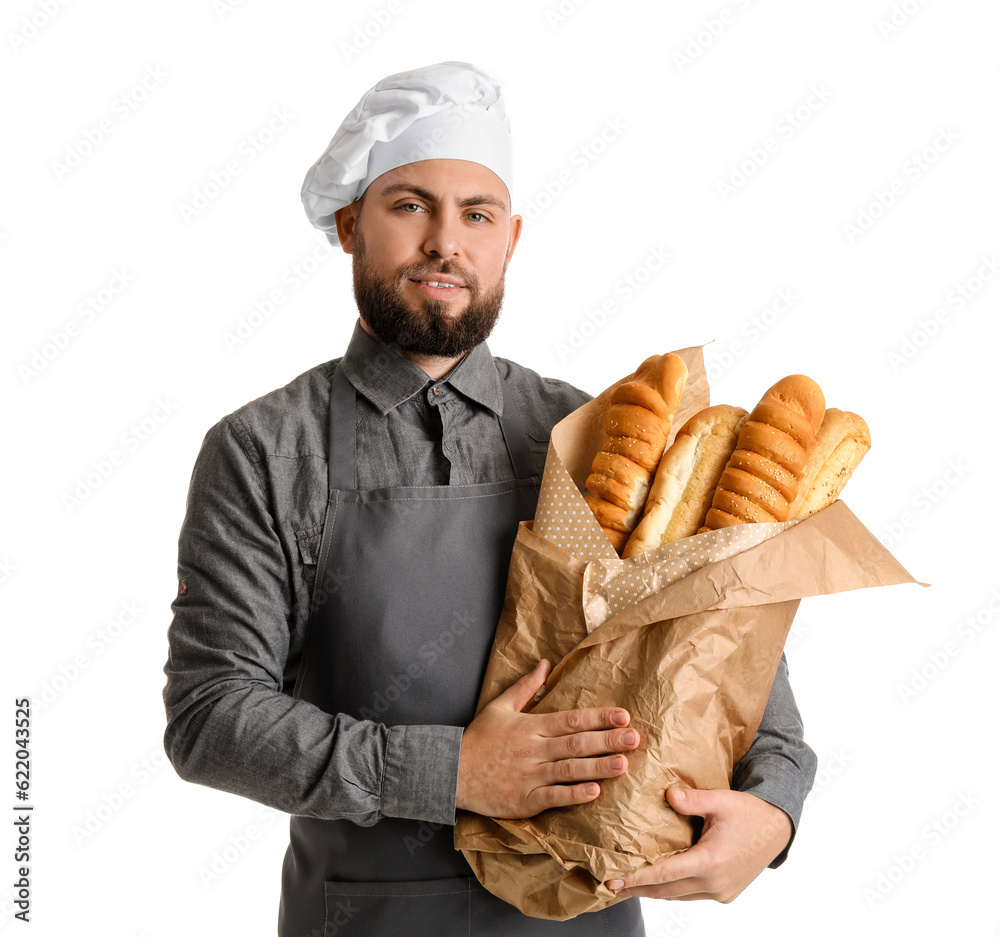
[[431, 330]]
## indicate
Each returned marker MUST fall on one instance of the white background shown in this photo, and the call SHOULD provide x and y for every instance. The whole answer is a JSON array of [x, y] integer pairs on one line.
[[685, 94]]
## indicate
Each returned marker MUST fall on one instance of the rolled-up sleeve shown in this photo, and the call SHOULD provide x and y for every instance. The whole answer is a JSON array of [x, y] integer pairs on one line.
[[229, 725], [779, 766]]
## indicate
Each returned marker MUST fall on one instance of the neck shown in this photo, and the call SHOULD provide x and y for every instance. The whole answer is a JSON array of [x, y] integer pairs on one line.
[[433, 366]]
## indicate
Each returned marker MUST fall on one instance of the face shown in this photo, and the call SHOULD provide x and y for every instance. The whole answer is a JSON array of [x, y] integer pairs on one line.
[[431, 241]]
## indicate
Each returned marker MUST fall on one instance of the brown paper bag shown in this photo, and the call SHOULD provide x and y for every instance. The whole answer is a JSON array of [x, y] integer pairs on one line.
[[687, 638]]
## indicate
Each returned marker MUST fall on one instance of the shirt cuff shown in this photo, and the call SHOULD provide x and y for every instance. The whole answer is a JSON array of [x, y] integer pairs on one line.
[[421, 773], [777, 791]]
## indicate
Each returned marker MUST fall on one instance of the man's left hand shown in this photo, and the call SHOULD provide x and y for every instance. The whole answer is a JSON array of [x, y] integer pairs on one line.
[[742, 835]]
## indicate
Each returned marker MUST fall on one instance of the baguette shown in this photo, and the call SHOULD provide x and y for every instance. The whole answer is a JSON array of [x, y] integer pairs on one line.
[[841, 443], [761, 479], [686, 478], [637, 422]]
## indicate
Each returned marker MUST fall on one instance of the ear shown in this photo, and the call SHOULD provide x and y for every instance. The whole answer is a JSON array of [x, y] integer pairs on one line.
[[515, 234], [347, 220]]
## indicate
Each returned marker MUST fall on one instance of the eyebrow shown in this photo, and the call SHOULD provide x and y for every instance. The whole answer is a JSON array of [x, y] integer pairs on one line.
[[469, 202]]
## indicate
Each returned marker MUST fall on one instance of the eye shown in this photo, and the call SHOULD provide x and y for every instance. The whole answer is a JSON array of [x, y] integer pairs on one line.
[[473, 215], [408, 205]]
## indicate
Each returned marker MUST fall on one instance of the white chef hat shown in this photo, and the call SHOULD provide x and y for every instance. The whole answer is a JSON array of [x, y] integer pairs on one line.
[[451, 110]]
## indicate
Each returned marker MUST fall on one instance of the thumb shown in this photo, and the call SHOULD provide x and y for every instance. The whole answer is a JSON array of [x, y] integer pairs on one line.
[[520, 693], [692, 802]]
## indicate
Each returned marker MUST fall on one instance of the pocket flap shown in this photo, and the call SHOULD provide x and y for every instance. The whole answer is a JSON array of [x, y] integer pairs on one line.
[[308, 542]]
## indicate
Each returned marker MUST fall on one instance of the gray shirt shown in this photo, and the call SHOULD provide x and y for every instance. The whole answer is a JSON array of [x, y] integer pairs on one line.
[[247, 566]]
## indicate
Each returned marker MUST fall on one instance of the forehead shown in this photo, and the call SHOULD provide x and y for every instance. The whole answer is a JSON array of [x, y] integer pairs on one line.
[[446, 180]]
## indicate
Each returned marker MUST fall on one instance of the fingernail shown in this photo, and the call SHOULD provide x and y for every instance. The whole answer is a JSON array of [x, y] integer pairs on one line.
[[617, 764], [619, 719], [679, 793], [591, 790], [629, 738], [615, 884]]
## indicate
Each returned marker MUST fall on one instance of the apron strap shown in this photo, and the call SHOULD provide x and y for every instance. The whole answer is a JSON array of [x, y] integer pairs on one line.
[[515, 437], [342, 443]]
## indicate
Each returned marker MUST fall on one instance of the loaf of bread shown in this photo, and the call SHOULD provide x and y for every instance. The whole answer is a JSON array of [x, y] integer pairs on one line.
[[841, 443], [686, 478], [637, 423], [761, 479]]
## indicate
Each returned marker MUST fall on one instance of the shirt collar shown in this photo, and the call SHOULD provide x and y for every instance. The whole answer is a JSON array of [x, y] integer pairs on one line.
[[387, 378]]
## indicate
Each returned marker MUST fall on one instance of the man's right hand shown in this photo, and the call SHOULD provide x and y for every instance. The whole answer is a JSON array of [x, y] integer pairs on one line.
[[514, 764]]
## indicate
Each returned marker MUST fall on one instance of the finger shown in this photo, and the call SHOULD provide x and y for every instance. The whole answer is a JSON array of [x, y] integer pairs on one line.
[[523, 691], [682, 873], [586, 769], [562, 795], [693, 802], [571, 721], [664, 892], [589, 744]]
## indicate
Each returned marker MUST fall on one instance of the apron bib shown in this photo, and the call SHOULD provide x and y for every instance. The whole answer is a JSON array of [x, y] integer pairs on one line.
[[404, 640]]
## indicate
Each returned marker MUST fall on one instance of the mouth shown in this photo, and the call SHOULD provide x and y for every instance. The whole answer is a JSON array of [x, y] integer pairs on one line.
[[438, 287], [440, 283]]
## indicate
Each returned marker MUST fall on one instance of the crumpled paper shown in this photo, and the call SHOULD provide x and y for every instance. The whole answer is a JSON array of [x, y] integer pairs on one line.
[[687, 638]]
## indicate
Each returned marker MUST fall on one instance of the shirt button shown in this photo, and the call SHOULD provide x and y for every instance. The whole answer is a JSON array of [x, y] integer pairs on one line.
[[437, 390]]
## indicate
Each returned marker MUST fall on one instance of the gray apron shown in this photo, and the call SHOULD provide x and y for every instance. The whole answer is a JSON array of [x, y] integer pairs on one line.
[[405, 640]]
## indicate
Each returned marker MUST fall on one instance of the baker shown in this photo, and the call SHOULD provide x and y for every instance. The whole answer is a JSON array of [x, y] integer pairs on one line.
[[343, 559]]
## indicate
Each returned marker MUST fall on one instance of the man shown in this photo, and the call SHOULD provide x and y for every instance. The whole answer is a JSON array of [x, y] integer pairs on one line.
[[344, 556]]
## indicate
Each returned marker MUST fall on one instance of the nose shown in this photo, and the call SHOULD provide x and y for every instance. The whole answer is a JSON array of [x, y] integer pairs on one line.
[[443, 236]]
